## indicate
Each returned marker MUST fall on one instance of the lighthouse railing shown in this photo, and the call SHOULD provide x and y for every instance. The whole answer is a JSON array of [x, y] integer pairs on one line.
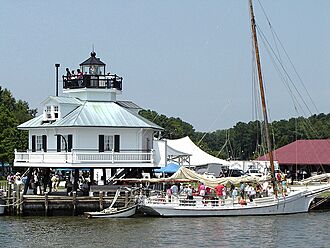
[[84, 156]]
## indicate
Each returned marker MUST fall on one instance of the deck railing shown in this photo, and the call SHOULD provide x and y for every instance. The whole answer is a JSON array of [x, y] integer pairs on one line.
[[93, 81], [85, 156]]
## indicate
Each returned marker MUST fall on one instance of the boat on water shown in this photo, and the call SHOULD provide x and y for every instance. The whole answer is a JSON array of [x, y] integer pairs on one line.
[[113, 213], [295, 201]]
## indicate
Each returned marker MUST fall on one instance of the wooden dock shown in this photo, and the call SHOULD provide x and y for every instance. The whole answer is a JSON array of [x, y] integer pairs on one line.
[[59, 203]]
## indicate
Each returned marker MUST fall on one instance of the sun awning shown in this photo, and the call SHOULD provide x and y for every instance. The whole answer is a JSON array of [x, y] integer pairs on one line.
[[168, 169]]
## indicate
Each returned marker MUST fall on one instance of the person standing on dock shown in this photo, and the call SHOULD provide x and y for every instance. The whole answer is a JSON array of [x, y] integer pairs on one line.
[[55, 181]]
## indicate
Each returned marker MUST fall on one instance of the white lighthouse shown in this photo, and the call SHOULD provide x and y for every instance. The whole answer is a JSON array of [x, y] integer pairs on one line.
[[87, 127]]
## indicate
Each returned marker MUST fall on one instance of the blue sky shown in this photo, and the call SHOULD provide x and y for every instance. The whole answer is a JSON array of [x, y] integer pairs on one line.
[[187, 59]]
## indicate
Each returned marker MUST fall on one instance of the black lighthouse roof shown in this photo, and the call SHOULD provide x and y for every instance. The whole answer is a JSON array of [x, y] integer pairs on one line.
[[92, 60]]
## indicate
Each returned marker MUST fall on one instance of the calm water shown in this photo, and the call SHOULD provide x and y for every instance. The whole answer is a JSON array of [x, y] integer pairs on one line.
[[301, 230]]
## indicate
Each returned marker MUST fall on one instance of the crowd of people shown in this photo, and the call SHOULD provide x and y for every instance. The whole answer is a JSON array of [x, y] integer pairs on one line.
[[72, 75], [237, 193], [40, 182]]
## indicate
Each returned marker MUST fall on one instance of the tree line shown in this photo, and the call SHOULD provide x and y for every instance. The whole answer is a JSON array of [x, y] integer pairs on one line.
[[244, 141]]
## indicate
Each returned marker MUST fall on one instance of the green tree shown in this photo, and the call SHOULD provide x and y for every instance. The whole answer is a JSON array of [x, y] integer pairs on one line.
[[12, 113]]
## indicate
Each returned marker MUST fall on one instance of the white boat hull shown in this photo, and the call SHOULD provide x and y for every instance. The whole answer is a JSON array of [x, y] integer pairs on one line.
[[124, 213], [296, 202]]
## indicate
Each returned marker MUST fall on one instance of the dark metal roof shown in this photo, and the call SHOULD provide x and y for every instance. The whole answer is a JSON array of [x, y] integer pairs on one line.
[[303, 152], [128, 104], [92, 60]]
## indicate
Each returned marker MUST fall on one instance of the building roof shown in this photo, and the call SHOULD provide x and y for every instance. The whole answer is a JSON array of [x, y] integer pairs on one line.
[[95, 114], [304, 152], [128, 104], [63, 100], [92, 60]]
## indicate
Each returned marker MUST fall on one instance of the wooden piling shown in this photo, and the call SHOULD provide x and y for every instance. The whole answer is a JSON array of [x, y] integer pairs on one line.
[[126, 198], [74, 202], [21, 205], [18, 198], [9, 198], [46, 204], [101, 195]]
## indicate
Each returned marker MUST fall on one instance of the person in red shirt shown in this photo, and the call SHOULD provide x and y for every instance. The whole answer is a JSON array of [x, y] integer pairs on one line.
[[218, 190]]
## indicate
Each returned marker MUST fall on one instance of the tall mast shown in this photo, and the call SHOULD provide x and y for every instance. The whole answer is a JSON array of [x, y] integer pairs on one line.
[[262, 92]]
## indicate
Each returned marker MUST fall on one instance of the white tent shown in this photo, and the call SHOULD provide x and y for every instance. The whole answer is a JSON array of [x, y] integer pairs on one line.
[[198, 156]]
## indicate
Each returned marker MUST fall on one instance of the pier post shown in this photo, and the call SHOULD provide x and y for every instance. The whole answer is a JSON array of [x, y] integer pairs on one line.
[[75, 179], [101, 195], [46, 203], [8, 201], [74, 202], [13, 202], [21, 205], [18, 199], [104, 173], [126, 198]]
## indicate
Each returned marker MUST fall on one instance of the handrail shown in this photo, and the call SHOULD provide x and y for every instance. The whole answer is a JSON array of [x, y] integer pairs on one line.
[[86, 150], [93, 81], [86, 156]]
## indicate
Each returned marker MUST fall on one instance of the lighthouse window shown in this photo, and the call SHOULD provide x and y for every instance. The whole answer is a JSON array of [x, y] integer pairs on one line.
[[64, 143], [48, 109], [56, 112], [39, 143], [108, 142], [48, 112]]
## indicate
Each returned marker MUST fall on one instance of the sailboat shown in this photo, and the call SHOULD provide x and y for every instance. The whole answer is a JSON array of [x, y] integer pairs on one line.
[[296, 201]]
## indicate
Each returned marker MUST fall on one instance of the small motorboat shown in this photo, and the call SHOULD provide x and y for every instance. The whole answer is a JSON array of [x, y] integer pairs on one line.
[[113, 213]]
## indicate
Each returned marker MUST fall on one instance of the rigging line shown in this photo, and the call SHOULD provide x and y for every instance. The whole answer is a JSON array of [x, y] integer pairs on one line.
[[285, 71], [296, 72], [267, 46], [224, 145], [255, 100], [215, 120], [255, 89], [287, 55], [308, 125], [283, 79], [271, 28], [256, 107]]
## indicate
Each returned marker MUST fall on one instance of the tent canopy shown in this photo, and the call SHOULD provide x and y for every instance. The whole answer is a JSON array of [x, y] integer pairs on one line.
[[186, 175], [198, 156], [169, 168]]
